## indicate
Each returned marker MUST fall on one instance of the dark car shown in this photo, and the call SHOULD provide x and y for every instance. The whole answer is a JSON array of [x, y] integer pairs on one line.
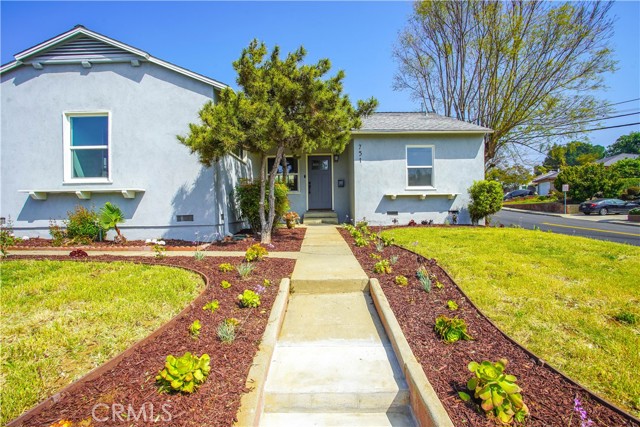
[[518, 193], [607, 206]]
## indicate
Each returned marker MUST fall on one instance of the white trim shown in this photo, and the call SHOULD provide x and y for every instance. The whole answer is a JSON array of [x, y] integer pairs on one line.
[[433, 167], [83, 193], [307, 179], [419, 132], [67, 177]]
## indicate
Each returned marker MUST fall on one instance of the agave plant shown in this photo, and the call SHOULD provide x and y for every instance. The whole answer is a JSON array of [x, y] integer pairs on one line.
[[110, 217]]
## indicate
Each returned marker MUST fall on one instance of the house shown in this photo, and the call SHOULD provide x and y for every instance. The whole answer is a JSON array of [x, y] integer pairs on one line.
[[88, 119], [544, 183], [608, 161]]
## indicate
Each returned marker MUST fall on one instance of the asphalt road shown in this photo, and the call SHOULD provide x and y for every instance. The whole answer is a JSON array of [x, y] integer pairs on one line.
[[594, 227]]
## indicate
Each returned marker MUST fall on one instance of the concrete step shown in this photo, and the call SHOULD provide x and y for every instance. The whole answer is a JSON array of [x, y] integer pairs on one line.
[[319, 221], [319, 217], [354, 419], [334, 376]]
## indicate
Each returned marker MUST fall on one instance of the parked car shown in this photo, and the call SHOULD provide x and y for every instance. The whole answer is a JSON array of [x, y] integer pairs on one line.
[[518, 193], [607, 206]]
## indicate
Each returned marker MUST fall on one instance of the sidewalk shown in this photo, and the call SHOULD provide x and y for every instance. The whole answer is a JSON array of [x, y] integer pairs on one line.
[[611, 219], [333, 364]]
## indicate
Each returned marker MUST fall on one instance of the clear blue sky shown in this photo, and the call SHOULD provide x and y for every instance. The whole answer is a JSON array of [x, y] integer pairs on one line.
[[356, 36]]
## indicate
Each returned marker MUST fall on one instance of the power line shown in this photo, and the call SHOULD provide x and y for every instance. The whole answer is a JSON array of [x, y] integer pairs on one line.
[[591, 130], [603, 118], [624, 102]]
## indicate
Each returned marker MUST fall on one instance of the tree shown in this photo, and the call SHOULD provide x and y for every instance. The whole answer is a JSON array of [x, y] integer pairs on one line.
[[575, 153], [510, 177], [486, 199], [588, 180], [625, 144], [283, 105], [627, 168], [525, 69], [110, 217]]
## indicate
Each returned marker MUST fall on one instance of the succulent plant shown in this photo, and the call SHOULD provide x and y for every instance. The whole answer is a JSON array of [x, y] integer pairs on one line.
[[212, 305], [225, 267], [423, 277], [382, 267], [194, 329], [225, 284], [255, 253], [184, 374], [452, 329], [401, 280], [249, 298]]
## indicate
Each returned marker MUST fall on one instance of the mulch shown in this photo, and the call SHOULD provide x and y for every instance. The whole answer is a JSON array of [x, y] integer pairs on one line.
[[282, 240], [131, 383], [549, 396]]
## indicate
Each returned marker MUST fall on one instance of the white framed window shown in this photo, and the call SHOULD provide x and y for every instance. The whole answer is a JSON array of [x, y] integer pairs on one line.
[[87, 147], [293, 175], [240, 153], [420, 166]]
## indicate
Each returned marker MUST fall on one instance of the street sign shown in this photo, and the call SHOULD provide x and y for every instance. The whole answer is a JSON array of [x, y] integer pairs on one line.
[[565, 187]]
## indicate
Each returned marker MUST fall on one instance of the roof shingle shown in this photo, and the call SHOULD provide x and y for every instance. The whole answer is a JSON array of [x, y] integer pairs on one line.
[[416, 122]]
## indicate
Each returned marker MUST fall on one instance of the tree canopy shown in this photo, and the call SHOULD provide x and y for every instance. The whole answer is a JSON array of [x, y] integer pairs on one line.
[[282, 105], [511, 177], [589, 180], [625, 144], [575, 153], [525, 69]]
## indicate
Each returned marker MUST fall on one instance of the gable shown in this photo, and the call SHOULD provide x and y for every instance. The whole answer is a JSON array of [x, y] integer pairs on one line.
[[83, 47]]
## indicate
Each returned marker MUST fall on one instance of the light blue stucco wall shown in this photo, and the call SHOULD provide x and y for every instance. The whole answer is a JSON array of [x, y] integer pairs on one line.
[[149, 106], [380, 168]]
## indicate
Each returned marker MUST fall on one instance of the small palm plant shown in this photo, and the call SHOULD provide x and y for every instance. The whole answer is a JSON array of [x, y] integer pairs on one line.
[[110, 217]]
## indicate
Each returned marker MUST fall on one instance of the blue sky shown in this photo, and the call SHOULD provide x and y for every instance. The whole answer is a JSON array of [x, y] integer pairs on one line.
[[356, 36]]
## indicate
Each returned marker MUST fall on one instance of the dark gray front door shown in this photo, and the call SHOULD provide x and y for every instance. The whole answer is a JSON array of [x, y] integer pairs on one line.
[[319, 171]]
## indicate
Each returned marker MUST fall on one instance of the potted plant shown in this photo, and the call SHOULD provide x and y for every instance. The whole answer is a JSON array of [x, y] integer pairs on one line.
[[291, 218], [634, 215]]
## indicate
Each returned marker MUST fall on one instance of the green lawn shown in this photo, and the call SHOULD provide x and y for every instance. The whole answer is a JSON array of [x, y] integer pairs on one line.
[[557, 295], [61, 319]]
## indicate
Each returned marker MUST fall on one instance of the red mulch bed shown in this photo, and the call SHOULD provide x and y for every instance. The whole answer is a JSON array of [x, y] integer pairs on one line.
[[548, 395], [282, 240], [132, 380]]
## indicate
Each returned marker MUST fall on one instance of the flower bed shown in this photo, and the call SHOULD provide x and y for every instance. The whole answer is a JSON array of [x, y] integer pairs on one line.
[[551, 398], [128, 388]]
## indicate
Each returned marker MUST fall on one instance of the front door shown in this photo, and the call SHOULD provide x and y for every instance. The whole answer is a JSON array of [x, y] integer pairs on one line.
[[319, 183]]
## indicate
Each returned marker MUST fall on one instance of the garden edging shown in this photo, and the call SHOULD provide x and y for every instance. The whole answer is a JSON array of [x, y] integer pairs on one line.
[[252, 403], [427, 407], [105, 367]]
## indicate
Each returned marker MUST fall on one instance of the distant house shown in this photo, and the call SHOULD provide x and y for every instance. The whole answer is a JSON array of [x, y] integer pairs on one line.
[[608, 161], [544, 183], [88, 119]]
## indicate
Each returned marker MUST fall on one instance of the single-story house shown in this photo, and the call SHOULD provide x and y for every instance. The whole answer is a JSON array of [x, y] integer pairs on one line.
[[544, 183], [88, 119], [608, 161]]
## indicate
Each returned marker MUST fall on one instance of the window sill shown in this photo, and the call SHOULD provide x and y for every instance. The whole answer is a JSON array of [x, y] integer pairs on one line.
[[83, 194], [420, 195], [87, 181]]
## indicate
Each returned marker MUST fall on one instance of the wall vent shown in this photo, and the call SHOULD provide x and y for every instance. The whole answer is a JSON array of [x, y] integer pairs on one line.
[[183, 218], [392, 213]]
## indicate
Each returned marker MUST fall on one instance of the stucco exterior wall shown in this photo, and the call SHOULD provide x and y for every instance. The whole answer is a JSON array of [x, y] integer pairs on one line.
[[380, 168], [149, 105]]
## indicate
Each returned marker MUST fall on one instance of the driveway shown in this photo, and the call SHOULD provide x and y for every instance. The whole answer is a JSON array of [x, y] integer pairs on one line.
[[610, 227]]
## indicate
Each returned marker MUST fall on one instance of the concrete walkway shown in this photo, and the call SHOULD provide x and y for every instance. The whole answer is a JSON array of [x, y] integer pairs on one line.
[[333, 364]]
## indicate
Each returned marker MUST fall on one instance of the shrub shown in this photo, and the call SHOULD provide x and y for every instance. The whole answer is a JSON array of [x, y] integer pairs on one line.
[[248, 198], [110, 217], [194, 329], [249, 299], [587, 180], [7, 237], [630, 193], [452, 305], [212, 305], [226, 268], [382, 267], [184, 374], [634, 211], [255, 253], [424, 279], [227, 331], [225, 284], [199, 255], [451, 329], [486, 199], [78, 253], [244, 269], [361, 242], [58, 235], [402, 281], [82, 225], [627, 168], [497, 392]]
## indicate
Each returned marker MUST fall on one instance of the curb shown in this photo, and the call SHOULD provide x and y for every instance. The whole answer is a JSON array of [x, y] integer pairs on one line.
[[252, 403], [427, 407], [569, 216], [533, 212]]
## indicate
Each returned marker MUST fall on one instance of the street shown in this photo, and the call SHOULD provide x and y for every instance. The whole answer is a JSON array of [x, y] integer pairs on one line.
[[595, 227]]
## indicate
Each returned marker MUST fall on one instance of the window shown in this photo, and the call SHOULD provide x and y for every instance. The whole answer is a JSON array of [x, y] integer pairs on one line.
[[87, 147], [239, 153], [292, 172], [419, 166]]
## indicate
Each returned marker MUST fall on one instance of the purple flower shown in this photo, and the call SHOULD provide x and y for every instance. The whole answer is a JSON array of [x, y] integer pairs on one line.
[[260, 289], [577, 406]]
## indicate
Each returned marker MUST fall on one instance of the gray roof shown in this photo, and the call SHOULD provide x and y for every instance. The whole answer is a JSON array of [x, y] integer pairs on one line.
[[608, 161], [416, 123], [549, 176]]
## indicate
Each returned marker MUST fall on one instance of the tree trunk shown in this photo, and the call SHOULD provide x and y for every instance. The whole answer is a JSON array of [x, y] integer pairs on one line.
[[263, 220], [267, 223]]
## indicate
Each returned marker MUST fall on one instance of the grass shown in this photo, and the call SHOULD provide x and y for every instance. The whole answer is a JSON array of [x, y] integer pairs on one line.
[[529, 200], [62, 319], [557, 295]]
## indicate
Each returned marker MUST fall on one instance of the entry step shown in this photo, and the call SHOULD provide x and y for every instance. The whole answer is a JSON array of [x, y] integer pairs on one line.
[[353, 419]]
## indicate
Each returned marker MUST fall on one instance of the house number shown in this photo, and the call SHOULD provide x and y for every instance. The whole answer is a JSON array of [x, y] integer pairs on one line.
[[360, 152]]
